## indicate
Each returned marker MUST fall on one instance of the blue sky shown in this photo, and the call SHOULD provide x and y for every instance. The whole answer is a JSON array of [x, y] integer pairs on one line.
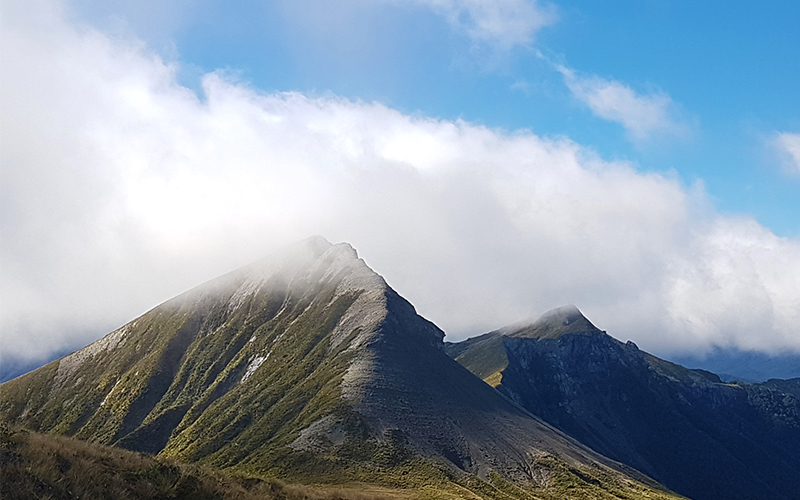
[[731, 70], [491, 158]]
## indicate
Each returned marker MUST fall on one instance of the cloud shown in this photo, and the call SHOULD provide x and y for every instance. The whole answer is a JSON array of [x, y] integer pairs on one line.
[[788, 146], [521, 86], [120, 188], [643, 116], [503, 23]]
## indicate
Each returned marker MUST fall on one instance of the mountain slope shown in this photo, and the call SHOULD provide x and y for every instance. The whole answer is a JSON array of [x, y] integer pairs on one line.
[[791, 386], [698, 436], [34, 465], [485, 355], [306, 366]]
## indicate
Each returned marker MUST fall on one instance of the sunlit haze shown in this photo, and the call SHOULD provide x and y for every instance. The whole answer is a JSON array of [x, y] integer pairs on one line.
[[490, 159]]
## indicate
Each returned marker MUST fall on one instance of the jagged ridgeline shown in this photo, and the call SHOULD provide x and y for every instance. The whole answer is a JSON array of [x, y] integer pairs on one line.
[[686, 428], [307, 367]]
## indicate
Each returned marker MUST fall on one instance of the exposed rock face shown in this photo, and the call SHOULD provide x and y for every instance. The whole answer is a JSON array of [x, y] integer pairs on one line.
[[791, 386], [304, 364], [698, 436]]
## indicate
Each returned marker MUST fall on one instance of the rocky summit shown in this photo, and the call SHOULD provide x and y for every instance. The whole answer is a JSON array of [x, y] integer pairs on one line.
[[700, 437], [308, 367]]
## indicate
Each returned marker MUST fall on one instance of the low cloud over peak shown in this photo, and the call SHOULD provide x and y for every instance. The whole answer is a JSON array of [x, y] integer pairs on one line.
[[120, 188]]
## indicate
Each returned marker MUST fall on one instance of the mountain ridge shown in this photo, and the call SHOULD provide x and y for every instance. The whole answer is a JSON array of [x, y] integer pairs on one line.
[[553, 324], [684, 427], [305, 366], [752, 367]]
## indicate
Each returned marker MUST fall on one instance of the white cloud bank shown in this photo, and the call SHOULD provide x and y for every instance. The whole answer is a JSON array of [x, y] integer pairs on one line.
[[120, 188], [504, 23], [788, 146], [643, 116]]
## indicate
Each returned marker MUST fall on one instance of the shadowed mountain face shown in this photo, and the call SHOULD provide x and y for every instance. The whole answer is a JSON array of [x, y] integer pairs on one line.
[[698, 436], [305, 366]]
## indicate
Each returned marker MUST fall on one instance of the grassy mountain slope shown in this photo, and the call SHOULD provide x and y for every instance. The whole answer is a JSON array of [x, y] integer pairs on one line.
[[698, 436], [483, 355], [34, 465], [160, 372], [308, 367]]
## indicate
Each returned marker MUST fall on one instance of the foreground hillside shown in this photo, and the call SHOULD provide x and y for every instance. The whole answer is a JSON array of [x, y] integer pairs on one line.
[[698, 436], [34, 465], [308, 367]]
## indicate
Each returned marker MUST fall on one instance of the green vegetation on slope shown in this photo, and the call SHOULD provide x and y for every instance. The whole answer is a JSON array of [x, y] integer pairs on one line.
[[246, 373], [484, 356], [44, 466], [196, 375], [34, 465]]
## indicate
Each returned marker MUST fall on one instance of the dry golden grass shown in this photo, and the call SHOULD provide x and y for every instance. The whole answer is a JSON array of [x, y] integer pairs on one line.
[[48, 467], [38, 466]]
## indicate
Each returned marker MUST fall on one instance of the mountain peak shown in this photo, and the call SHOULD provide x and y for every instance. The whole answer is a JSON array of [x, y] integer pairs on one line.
[[316, 242], [569, 313], [313, 258], [306, 365], [554, 323], [318, 245]]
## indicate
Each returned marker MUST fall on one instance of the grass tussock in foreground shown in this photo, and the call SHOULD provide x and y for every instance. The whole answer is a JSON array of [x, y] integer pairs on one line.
[[38, 466], [44, 466]]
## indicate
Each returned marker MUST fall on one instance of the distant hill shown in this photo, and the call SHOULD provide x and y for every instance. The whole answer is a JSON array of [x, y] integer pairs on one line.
[[11, 368], [308, 367], [686, 428], [733, 364]]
